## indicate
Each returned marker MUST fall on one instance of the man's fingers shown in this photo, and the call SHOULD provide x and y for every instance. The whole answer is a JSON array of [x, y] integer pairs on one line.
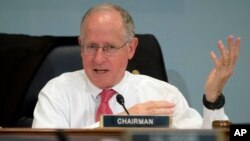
[[160, 107], [237, 46], [215, 60], [161, 111], [153, 108], [159, 104], [230, 41], [234, 51], [225, 60]]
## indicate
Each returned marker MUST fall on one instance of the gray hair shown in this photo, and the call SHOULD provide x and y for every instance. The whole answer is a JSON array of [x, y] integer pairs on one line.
[[127, 19]]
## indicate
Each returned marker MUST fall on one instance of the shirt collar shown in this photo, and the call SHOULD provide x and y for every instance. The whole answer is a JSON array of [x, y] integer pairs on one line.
[[93, 90], [120, 88]]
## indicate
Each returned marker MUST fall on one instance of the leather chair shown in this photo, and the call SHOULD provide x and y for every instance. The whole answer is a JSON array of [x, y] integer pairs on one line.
[[61, 59], [148, 60]]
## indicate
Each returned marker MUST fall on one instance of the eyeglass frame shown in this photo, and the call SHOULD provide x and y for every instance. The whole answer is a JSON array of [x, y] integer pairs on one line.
[[104, 48]]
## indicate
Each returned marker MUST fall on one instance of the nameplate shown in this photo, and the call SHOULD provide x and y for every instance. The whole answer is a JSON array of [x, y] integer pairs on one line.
[[134, 121]]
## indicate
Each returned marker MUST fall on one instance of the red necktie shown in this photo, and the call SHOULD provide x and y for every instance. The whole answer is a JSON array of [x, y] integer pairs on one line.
[[104, 105]]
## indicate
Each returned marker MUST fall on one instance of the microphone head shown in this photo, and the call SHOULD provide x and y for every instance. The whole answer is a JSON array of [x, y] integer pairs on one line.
[[120, 99]]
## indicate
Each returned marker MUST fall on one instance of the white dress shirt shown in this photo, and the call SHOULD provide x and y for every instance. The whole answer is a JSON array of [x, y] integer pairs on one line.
[[71, 100]]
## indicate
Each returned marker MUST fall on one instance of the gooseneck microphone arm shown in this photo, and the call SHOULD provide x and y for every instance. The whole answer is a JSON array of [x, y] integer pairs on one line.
[[120, 100]]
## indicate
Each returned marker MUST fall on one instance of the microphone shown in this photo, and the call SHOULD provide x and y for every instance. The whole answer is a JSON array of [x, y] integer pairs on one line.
[[120, 100]]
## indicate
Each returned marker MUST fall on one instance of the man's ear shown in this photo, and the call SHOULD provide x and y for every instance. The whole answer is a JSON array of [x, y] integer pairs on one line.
[[132, 47], [79, 40], [80, 44]]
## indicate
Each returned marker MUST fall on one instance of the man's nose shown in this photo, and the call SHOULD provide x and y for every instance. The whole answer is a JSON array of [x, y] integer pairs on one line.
[[100, 56]]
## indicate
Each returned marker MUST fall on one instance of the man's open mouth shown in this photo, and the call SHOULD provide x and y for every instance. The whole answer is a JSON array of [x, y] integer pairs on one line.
[[101, 71]]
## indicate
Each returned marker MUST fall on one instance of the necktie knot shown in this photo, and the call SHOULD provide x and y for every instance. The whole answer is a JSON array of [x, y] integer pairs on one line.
[[106, 94]]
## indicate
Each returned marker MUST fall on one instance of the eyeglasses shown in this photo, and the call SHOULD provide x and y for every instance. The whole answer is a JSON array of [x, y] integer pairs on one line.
[[91, 49]]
